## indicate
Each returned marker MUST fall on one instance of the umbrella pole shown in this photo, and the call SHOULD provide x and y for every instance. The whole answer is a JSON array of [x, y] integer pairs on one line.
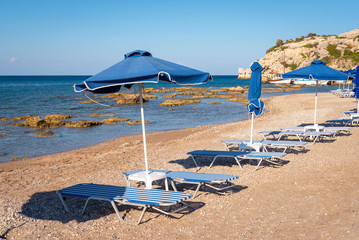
[[144, 133], [251, 140], [316, 100]]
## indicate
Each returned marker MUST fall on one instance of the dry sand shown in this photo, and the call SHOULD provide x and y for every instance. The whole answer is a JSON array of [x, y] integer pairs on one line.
[[313, 196]]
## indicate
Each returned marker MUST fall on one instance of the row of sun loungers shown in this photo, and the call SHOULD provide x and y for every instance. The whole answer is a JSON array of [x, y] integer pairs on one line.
[[343, 93], [170, 202]]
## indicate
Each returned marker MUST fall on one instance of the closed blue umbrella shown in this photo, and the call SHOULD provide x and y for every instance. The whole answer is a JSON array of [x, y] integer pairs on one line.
[[139, 67], [255, 105], [356, 89], [318, 71]]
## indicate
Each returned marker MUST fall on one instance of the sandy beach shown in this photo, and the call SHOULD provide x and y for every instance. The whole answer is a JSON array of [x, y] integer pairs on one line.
[[313, 196]]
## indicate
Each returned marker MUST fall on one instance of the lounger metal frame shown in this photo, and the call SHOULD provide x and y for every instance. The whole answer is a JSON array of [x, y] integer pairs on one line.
[[123, 201], [273, 158], [345, 122], [337, 130], [264, 144], [302, 136]]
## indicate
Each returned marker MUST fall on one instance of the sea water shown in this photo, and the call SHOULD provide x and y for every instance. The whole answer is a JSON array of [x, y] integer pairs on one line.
[[44, 95]]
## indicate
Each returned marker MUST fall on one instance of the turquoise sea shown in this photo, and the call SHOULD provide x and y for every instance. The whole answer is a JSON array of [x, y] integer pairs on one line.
[[43, 95]]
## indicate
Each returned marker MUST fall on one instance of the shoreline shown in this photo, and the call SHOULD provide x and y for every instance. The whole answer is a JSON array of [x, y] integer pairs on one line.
[[313, 196], [24, 142]]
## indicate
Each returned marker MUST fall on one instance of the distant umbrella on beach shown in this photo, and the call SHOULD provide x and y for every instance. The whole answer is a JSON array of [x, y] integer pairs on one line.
[[140, 67], [317, 71]]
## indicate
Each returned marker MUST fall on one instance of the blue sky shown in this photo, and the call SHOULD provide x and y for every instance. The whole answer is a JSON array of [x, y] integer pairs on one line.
[[83, 37]]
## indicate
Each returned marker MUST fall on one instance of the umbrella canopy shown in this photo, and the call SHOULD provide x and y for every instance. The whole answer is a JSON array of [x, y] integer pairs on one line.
[[318, 71], [255, 106], [139, 67]]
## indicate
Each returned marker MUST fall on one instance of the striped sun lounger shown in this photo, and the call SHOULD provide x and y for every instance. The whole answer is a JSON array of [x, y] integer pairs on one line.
[[350, 112], [145, 198], [272, 157], [302, 136], [338, 130], [265, 144], [217, 182], [345, 122]]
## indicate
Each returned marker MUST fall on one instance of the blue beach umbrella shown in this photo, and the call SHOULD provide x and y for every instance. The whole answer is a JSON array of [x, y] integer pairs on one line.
[[139, 67], [255, 105], [356, 89], [318, 71]]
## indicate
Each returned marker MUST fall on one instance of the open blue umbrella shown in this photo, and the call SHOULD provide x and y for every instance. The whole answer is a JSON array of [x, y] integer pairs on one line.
[[140, 67], [318, 71], [255, 105]]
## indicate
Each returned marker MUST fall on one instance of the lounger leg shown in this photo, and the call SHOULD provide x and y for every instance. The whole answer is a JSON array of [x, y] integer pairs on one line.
[[173, 186], [214, 159], [63, 201], [197, 189], [259, 163], [166, 184], [315, 139], [238, 162], [128, 181], [87, 201], [285, 149], [226, 145], [123, 220], [265, 149], [194, 161]]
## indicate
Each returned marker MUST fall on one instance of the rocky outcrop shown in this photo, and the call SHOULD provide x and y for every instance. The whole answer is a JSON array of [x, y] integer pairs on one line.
[[57, 116], [136, 122], [102, 114], [179, 102], [340, 52], [115, 120], [44, 133], [82, 124], [37, 122]]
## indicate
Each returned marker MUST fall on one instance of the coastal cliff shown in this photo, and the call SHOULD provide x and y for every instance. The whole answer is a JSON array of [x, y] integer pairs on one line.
[[337, 51]]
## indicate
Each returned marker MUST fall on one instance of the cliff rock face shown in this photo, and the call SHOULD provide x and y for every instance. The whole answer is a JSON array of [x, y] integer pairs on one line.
[[340, 52]]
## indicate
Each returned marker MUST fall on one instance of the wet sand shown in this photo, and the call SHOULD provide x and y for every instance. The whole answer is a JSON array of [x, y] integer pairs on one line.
[[314, 195]]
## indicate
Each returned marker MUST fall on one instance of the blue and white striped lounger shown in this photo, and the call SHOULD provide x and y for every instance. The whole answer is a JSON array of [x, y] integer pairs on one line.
[[217, 182], [350, 112], [302, 136], [337, 130], [239, 156], [345, 122], [145, 198], [264, 144]]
